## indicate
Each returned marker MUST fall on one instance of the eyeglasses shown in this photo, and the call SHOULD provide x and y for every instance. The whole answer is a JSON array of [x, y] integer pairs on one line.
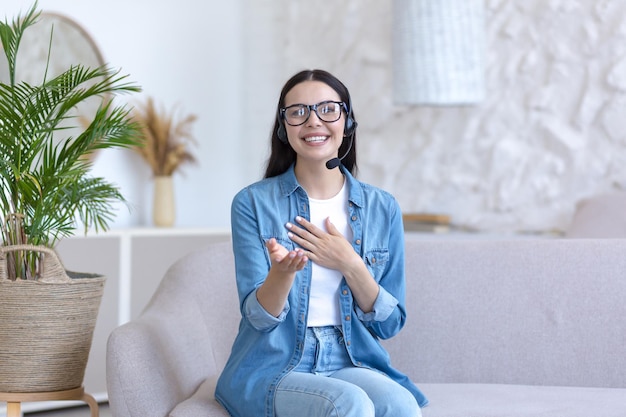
[[326, 111]]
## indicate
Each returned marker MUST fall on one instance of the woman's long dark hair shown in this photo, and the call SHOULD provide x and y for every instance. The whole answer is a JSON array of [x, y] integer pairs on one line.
[[282, 154]]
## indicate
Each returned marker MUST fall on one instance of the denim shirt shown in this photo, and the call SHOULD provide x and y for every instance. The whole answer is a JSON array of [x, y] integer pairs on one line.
[[267, 347]]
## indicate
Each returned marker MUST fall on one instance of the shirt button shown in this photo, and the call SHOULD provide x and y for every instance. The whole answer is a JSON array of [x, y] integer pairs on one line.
[[358, 241], [353, 218], [345, 292], [347, 318], [347, 343], [373, 260]]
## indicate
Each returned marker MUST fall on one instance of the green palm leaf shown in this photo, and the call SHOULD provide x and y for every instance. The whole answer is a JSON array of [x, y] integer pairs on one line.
[[46, 190]]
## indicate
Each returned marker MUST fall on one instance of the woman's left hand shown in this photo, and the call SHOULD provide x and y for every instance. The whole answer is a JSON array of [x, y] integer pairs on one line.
[[332, 250], [329, 249]]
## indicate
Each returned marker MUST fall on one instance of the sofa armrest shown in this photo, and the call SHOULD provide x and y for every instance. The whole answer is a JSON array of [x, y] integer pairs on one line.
[[135, 381], [156, 362], [181, 339]]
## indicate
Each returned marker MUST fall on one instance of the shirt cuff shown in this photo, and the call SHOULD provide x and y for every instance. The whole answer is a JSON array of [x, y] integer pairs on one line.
[[383, 307], [258, 317]]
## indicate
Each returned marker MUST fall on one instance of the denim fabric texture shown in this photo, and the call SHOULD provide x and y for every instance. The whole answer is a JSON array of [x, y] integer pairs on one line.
[[324, 351], [267, 348], [325, 383]]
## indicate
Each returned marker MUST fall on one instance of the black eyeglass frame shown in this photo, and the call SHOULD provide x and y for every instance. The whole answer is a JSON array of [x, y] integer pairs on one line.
[[312, 107]]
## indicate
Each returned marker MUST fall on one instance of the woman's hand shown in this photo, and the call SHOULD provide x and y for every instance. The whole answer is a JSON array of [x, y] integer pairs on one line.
[[332, 250], [328, 249], [272, 294], [284, 260]]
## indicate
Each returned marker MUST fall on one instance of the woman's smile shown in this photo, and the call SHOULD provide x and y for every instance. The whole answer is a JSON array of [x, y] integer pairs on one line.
[[316, 139]]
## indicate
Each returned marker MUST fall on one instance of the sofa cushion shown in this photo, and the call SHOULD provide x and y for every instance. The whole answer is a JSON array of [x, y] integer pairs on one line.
[[472, 400], [201, 403], [501, 400]]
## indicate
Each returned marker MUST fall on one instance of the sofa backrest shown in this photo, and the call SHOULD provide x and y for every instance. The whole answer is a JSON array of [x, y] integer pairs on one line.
[[527, 311], [545, 312]]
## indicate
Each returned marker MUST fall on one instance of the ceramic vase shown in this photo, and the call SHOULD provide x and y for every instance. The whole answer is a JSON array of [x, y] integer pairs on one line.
[[163, 209]]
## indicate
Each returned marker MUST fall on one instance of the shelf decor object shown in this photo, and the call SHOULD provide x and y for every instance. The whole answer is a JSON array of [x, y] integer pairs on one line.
[[438, 52], [165, 147], [163, 201]]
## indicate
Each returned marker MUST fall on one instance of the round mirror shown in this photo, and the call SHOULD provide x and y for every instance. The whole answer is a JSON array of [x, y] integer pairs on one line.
[[71, 45]]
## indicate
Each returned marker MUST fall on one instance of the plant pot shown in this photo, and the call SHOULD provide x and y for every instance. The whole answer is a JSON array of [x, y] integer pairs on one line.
[[163, 209], [46, 326]]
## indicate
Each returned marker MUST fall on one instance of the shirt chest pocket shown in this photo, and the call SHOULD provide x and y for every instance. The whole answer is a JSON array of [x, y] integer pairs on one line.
[[376, 262], [281, 240]]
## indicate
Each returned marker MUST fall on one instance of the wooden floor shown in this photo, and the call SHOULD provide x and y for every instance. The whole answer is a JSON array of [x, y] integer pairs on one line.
[[81, 411]]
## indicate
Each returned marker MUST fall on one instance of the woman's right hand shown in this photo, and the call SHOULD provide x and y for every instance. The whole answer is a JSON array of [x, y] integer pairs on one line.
[[272, 294], [284, 260]]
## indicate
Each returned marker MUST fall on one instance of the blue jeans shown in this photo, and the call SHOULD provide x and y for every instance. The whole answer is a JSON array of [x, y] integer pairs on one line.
[[327, 384]]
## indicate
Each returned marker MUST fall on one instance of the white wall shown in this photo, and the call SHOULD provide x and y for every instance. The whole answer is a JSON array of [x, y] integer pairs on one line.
[[550, 132], [184, 54]]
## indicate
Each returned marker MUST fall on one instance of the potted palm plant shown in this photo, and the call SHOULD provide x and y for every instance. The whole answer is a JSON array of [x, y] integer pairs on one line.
[[46, 317]]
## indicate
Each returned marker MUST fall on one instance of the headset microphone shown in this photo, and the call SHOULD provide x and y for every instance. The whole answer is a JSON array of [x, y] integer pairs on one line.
[[335, 162]]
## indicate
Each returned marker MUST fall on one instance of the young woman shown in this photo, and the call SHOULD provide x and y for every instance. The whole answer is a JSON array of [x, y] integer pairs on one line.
[[320, 273]]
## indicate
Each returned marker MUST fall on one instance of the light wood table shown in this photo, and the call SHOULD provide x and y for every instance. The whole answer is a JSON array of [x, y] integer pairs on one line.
[[14, 400]]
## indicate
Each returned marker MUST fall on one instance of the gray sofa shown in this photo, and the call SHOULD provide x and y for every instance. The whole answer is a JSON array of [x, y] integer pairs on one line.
[[514, 328]]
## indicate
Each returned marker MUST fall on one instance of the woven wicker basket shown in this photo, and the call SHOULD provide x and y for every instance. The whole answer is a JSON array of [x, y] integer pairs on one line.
[[46, 326]]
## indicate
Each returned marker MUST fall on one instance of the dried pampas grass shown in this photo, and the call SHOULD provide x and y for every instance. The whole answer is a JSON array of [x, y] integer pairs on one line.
[[165, 141]]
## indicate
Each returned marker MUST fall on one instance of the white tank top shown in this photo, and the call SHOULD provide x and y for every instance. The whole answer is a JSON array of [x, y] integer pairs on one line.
[[324, 295]]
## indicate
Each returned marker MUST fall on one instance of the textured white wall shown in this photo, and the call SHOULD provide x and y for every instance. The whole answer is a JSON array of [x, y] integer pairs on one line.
[[551, 131]]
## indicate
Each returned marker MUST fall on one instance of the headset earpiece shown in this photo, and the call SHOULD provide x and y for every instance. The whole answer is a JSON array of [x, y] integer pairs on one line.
[[351, 124], [281, 132]]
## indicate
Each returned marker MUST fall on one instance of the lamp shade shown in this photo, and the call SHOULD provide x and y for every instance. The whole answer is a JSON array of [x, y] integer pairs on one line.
[[438, 52]]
